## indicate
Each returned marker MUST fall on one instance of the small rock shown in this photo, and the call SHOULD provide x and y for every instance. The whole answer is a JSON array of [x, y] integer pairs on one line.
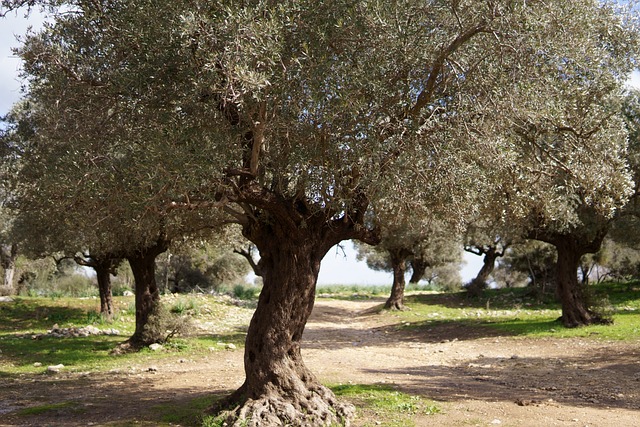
[[54, 369], [155, 347], [496, 422], [37, 364], [230, 346], [92, 330], [6, 299], [515, 356], [212, 349], [127, 294]]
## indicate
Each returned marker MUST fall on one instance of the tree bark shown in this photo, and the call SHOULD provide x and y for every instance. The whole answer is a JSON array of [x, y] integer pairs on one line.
[[279, 389], [571, 246], [103, 275], [479, 283], [399, 265], [104, 266], [143, 266], [575, 311], [418, 268], [8, 254]]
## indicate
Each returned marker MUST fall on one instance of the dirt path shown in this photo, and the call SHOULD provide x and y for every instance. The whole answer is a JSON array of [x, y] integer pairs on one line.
[[479, 380], [476, 379]]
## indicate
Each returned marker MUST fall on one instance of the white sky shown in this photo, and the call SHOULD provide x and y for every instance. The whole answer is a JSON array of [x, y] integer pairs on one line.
[[15, 24], [341, 268]]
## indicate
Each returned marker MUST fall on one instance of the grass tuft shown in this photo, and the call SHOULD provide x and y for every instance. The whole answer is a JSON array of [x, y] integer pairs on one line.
[[383, 402]]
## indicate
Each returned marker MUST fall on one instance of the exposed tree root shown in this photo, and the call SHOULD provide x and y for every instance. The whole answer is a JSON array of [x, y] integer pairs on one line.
[[129, 346], [592, 318], [395, 306], [316, 407]]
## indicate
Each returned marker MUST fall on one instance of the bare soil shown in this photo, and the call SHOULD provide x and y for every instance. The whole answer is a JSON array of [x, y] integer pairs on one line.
[[477, 378]]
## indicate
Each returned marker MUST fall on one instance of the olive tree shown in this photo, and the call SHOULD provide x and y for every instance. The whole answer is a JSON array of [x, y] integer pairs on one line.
[[401, 246], [579, 219], [299, 121], [486, 237], [86, 178]]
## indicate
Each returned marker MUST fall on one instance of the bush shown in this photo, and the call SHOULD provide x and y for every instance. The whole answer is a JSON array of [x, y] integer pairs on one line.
[[164, 325], [245, 292], [186, 306], [599, 305]]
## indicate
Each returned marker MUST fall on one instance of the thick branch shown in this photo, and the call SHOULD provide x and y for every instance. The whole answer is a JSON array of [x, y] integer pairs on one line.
[[426, 96], [476, 250], [248, 254]]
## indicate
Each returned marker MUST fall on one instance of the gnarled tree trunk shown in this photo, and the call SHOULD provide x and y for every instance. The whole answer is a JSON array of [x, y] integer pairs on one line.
[[574, 310], [279, 389], [143, 266], [418, 268], [104, 266], [103, 270], [479, 283], [571, 246], [570, 291], [399, 265]]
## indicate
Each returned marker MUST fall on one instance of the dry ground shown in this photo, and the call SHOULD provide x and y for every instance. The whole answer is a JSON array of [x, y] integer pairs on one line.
[[475, 378]]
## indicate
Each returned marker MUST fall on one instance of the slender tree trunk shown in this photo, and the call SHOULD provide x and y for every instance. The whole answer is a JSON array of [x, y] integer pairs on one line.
[[399, 265], [418, 268], [167, 270], [8, 254], [143, 266], [279, 389], [103, 275], [479, 283]]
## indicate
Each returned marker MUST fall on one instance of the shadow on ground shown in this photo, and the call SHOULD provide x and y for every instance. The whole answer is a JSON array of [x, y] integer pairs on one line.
[[608, 380], [102, 399]]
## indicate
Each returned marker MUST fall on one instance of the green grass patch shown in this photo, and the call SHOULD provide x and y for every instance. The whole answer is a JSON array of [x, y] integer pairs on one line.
[[26, 349], [58, 408], [38, 314], [352, 292], [516, 312], [625, 327], [384, 405]]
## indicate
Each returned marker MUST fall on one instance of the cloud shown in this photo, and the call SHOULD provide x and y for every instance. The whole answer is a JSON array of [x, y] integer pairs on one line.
[[14, 24]]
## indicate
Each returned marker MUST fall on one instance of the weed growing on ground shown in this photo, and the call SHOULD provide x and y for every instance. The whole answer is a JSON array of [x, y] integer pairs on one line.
[[382, 401]]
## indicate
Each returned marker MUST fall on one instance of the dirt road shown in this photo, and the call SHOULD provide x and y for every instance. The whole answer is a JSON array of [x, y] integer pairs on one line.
[[476, 379]]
